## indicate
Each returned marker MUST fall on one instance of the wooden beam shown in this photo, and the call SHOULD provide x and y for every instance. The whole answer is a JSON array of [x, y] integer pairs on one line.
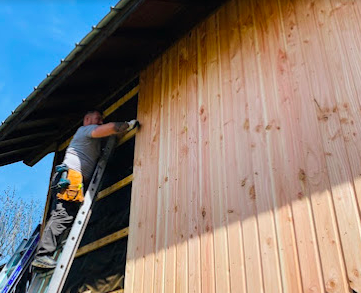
[[102, 242], [31, 137], [116, 291], [18, 151], [12, 159], [65, 144], [131, 94], [119, 185], [36, 156], [26, 124], [128, 136]]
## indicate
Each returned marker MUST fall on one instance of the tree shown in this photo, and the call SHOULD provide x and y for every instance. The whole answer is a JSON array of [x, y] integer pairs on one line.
[[17, 219]]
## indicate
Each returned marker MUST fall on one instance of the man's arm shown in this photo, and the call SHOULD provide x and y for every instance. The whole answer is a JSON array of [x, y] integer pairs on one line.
[[113, 128]]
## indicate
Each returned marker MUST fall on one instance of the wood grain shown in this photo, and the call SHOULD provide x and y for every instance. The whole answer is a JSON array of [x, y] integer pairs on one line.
[[249, 148]]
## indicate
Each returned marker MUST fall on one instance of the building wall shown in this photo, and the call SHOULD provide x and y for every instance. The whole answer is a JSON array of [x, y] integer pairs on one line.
[[247, 166]]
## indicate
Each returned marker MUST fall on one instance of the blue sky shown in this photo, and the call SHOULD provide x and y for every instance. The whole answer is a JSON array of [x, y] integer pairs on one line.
[[35, 36]]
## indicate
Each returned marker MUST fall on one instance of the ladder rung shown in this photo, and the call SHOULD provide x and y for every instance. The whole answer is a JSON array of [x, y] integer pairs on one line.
[[119, 185], [102, 242]]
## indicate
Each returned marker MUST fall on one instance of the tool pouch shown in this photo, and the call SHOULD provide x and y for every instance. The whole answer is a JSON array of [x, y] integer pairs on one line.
[[59, 180], [74, 192]]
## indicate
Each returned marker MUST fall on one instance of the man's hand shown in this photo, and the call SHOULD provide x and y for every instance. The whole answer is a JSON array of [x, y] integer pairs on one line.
[[132, 124], [114, 128]]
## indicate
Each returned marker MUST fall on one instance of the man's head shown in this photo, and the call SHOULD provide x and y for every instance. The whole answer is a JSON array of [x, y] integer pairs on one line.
[[93, 117]]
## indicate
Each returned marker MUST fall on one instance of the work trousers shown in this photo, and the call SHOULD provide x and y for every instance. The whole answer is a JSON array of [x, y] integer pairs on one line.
[[62, 217]]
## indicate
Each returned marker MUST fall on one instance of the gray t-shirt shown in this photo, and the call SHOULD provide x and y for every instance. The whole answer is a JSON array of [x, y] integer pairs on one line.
[[83, 152]]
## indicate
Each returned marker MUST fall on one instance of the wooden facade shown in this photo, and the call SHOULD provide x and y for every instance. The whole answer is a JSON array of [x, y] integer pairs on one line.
[[247, 169]]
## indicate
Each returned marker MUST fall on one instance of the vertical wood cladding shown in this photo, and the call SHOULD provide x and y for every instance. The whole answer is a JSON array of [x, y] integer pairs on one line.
[[248, 162]]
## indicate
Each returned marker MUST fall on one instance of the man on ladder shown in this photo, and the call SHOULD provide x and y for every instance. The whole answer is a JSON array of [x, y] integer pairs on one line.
[[80, 160]]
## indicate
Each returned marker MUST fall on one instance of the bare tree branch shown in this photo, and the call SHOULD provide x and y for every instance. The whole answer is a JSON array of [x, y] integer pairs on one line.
[[16, 221]]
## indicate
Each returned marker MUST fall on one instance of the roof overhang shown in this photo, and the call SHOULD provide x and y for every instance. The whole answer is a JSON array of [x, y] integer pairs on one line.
[[132, 34]]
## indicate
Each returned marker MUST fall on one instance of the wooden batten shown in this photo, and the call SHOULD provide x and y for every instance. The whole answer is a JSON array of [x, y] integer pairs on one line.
[[102, 242], [120, 184]]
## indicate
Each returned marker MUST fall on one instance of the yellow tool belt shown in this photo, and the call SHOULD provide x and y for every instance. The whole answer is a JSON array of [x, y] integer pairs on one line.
[[74, 192]]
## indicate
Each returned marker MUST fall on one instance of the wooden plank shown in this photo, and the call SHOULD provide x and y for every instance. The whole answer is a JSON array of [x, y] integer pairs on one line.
[[246, 208], [37, 123], [291, 274], [151, 179], [117, 291], [163, 182], [18, 151], [320, 50], [315, 184], [125, 98], [206, 223], [135, 261], [141, 245], [217, 157], [349, 43], [296, 220], [192, 189], [102, 242], [262, 190], [24, 139], [131, 94], [182, 196], [171, 253], [346, 100], [116, 186], [240, 210], [65, 144], [129, 135]]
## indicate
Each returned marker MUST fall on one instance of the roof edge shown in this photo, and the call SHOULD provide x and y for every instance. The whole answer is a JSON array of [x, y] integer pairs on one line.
[[125, 7]]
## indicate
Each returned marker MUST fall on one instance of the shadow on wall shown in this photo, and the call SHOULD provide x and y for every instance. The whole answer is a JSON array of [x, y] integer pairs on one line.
[[247, 166]]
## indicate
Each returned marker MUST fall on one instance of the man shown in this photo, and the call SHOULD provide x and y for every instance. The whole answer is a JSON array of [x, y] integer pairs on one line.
[[80, 160]]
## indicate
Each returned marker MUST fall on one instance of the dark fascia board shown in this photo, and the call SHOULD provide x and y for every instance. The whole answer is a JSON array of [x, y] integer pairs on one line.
[[82, 51]]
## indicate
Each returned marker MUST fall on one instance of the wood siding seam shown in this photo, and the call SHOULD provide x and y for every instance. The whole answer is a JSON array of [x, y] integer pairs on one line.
[[249, 157], [330, 280], [222, 170]]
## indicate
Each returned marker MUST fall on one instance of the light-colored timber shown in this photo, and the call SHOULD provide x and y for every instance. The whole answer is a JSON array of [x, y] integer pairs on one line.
[[102, 242], [116, 186]]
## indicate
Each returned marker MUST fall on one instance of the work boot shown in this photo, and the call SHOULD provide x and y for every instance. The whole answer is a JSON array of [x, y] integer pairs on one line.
[[44, 262]]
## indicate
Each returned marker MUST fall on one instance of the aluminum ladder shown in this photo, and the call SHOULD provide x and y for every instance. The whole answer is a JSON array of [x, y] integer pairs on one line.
[[15, 268], [53, 281]]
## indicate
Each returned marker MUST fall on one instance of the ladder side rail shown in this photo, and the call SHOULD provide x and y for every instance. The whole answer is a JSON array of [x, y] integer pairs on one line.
[[23, 264]]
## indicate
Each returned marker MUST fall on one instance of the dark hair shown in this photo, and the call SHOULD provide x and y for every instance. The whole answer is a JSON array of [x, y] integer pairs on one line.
[[93, 111]]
